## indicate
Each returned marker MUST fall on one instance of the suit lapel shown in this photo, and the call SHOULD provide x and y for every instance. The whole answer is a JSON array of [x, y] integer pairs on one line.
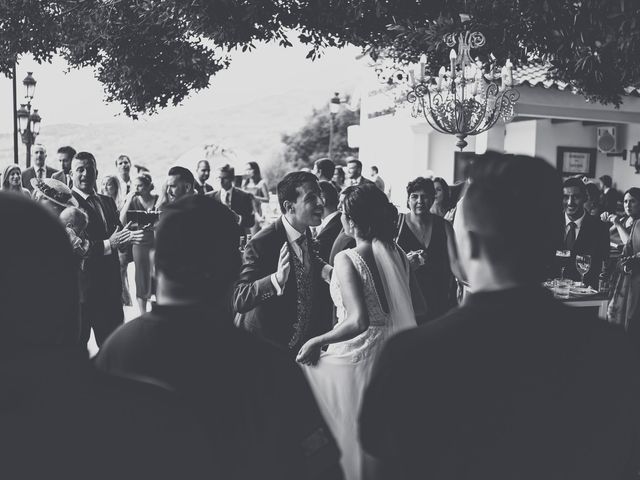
[[584, 232], [96, 224]]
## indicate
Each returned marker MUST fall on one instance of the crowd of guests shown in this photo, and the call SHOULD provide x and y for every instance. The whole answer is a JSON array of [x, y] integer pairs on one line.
[[333, 343]]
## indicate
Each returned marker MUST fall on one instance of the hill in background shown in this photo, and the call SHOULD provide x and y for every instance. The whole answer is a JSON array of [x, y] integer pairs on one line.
[[253, 130]]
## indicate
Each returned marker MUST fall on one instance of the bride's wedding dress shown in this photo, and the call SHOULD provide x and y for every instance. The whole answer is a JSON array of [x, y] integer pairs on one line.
[[339, 378]]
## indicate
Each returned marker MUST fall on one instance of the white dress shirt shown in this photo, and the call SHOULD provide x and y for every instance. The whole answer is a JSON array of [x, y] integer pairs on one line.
[[225, 196], [292, 236], [578, 223]]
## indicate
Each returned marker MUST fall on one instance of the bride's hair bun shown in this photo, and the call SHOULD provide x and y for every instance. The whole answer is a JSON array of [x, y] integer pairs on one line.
[[369, 208]]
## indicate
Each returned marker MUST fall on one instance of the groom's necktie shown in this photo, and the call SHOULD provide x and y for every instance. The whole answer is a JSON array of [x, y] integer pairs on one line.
[[302, 243]]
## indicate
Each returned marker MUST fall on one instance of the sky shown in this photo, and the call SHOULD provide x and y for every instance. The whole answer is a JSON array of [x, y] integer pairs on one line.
[[77, 97]]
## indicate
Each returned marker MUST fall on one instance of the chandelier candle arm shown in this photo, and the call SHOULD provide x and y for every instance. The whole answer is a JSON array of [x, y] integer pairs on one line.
[[463, 101]]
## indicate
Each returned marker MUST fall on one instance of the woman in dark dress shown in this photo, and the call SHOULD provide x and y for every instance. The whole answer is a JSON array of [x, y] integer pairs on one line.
[[624, 308], [429, 243], [138, 208]]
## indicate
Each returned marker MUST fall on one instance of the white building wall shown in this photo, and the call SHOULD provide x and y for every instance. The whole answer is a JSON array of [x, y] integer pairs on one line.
[[625, 176], [520, 138], [404, 148]]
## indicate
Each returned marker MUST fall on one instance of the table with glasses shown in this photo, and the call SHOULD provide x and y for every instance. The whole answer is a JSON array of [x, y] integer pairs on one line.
[[573, 294]]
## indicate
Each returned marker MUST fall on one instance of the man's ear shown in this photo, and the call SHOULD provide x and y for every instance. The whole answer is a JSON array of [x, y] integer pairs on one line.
[[474, 244], [288, 206]]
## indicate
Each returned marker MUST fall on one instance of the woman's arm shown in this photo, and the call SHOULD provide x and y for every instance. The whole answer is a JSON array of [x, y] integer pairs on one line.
[[125, 207], [262, 194], [357, 320], [616, 224]]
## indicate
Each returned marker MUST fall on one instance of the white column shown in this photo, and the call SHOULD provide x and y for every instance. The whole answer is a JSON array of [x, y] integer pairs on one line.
[[492, 139]]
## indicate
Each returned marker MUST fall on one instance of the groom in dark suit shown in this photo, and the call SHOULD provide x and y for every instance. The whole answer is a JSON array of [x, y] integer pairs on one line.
[[276, 296], [101, 284]]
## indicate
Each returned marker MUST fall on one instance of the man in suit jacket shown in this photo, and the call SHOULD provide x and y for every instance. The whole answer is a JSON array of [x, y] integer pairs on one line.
[[203, 170], [38, 169], [584, 234], [611, 198], [101, 306], [512, 384], [276, 296], [65, 155], [331, 224], [238, 201], [354, 173]]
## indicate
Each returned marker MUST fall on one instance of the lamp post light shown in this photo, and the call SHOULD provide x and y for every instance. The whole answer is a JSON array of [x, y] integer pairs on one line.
[[334, 108], [28, 123]]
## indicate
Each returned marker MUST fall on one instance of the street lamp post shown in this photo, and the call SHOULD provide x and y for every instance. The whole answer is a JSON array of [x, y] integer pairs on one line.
[[28, 123], [334, 108]]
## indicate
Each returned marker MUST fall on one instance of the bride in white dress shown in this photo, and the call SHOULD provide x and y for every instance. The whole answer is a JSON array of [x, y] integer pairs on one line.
[[370, 286]]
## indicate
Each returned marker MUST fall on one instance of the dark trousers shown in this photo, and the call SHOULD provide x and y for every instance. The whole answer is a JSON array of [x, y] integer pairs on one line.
[[103, 317]]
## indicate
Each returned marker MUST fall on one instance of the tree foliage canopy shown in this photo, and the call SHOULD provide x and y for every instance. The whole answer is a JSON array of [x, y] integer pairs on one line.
[[311, 142], [152, 53]]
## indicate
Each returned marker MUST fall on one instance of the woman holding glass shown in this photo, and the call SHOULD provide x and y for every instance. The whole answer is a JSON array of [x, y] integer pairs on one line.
[[624, 307], [429, 243]]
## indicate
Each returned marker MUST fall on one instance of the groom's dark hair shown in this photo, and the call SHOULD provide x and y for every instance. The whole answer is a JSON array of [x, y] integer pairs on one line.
[[288, 186]]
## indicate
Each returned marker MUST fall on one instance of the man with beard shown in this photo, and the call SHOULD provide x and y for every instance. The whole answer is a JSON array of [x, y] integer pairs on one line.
[[179, 183]]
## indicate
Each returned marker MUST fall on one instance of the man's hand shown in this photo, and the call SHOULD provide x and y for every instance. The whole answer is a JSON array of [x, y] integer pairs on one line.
[[284, 266], [120, 237]]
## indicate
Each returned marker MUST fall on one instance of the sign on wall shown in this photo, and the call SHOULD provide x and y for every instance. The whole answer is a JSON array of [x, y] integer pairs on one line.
[[572, 161]]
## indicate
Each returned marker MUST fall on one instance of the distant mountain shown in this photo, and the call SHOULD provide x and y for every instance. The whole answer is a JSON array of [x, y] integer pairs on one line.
[[252, 129]]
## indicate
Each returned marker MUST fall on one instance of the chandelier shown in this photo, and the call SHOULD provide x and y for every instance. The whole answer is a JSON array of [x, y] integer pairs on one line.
[[463, 100]]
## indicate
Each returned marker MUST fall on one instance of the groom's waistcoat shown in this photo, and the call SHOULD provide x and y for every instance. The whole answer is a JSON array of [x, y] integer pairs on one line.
[[304, 301], [292, 318]]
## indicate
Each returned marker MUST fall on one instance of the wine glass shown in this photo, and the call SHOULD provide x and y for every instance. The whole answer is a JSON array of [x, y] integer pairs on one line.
[[583, 265]]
